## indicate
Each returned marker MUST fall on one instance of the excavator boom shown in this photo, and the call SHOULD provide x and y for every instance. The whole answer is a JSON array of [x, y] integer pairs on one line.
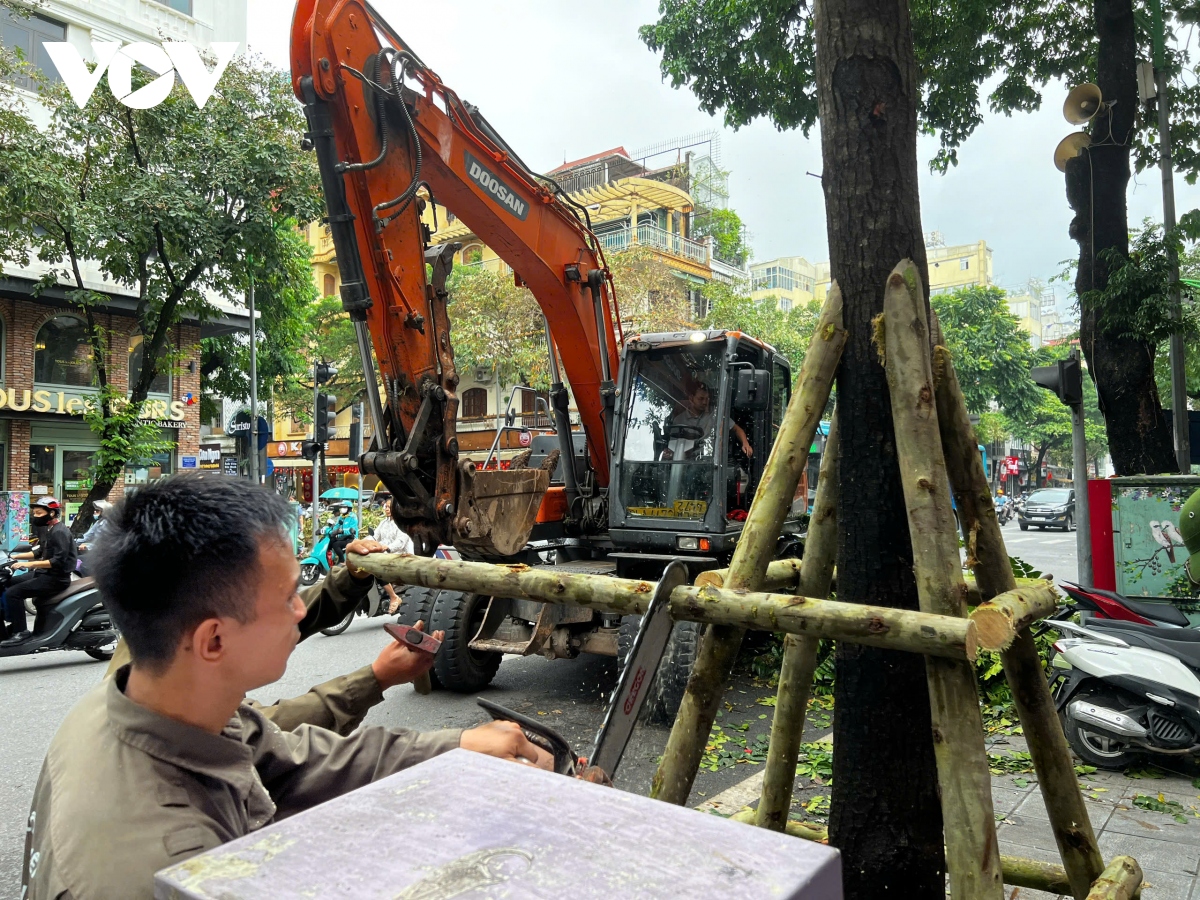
[[390, 137]]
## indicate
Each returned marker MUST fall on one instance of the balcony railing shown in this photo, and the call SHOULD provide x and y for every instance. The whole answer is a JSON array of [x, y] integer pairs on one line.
[[658, 239]]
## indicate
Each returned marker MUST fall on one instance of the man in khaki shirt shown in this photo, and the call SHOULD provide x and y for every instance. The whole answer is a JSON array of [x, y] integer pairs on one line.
[[165, 759]]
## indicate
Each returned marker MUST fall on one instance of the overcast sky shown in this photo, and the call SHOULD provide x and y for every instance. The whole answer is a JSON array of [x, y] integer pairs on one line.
[[565, 80]]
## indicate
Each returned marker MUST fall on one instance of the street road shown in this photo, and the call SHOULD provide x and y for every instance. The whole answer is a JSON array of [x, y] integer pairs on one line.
[[568, 694]]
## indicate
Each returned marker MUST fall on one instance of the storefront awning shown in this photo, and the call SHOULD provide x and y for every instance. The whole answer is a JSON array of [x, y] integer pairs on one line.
[[301, 463]]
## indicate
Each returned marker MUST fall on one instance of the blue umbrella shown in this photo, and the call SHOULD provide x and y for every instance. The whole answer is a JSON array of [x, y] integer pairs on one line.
[[342, 493]]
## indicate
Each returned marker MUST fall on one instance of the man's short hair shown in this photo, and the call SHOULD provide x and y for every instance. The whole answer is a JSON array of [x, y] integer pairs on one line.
[[181, 551]]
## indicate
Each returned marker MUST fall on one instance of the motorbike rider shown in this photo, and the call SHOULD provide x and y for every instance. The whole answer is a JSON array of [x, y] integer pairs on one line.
[[101, 508], [50, 563], [342, 530]]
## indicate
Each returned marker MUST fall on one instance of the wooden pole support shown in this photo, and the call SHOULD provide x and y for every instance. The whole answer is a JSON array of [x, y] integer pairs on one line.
[[972, 851], [755, 549], [1119, 881], [783, 577], [1006, 615], [1022, 666], [804, 830], [800, 653], [896, 629]]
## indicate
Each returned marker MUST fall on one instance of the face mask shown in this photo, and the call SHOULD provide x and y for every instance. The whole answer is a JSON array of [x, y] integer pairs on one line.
[[41, 521]]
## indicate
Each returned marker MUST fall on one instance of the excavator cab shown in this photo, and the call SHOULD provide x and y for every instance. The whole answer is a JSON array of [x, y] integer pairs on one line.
[[690, 406]]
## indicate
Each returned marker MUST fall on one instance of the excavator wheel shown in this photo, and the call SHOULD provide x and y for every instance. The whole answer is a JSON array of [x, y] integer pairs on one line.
[[416, 605], [458, 667], [666, 693]]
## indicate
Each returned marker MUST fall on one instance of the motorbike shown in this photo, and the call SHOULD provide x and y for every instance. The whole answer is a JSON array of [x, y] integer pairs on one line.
[[1004, 509], [322, 559], [374, 604], [1100, 604], [76, 619], [1126, 691]]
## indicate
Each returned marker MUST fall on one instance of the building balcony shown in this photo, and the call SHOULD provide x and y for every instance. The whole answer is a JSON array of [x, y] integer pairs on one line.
[[657, 239]]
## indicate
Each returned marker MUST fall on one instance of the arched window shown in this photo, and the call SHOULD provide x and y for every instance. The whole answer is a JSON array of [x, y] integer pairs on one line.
[[472, 255], [162, 379], [474, 403], [62, 353], [330, 282]]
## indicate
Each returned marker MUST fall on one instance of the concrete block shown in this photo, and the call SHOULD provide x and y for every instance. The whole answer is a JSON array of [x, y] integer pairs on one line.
[[464, 824]]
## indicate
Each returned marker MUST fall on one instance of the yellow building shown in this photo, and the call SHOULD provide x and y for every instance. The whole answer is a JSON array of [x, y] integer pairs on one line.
[[951, 268], [792, 280]]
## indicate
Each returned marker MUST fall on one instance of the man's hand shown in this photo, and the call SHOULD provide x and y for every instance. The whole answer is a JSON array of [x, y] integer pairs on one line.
[[362, 546], [505, 740], [399, 663], [747, 449]]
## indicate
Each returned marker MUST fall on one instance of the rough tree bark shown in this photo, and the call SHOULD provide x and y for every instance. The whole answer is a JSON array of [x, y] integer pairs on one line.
[[1139, 438], [885, 816]]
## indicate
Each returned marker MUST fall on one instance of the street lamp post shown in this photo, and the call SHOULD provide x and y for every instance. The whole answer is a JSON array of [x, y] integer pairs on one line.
[[252, 467]]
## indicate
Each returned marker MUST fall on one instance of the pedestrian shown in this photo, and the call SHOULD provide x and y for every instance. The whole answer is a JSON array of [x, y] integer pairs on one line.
[[165, 760], [50, 565], [388, 533]]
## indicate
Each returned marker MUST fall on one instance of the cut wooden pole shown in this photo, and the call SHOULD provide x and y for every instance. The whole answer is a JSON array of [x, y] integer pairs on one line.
[[808, 831], [800, 652], [1119, 881], [1006, 615], [1022, 666], [878, 626], [782, 577], [972, 851], [755, 549]]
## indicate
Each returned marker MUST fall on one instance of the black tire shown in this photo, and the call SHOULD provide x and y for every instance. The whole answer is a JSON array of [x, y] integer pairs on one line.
[[457, 666], [335, 630], [666, 693], [1024, 526], [416, 605], [103, 654], [310, 573], [1092, 747], [1070, 524]]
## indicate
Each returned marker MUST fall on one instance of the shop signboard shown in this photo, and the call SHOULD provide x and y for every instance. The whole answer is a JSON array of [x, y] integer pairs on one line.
[[164, 413], [229, 465], [1012, 465], [210, 456], [187, 462]]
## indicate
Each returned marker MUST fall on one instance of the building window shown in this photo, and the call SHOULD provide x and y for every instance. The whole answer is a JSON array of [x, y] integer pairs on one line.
[[964, 264], [28, 35], [183, 6], [473, 255], [785, 305], [329, 286], [474, 403], [162, 379], [62, 353]]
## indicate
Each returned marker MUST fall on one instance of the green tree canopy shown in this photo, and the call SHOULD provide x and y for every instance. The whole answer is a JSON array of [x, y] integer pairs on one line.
[[788, 332], [991, 351], [176, 204]]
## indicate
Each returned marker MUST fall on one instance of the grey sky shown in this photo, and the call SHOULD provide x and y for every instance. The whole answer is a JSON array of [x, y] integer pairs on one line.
[[565, 80]]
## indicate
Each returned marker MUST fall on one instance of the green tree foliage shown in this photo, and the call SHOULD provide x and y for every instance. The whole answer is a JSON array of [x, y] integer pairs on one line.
[[754, 58], [727, 231], [991, 351], [788, 332], [175, 204]]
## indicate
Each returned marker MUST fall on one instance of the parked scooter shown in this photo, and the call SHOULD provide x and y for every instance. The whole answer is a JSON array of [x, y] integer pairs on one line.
[[1101, 604], [1126, 691], [76, 620]]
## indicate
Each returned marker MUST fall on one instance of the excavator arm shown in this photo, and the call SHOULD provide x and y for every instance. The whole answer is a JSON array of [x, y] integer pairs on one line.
[[390, 137]]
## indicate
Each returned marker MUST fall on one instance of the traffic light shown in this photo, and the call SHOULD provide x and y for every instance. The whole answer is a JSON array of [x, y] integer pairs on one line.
[[1064, 379], [323, 417], [322, 372], [310, 450]]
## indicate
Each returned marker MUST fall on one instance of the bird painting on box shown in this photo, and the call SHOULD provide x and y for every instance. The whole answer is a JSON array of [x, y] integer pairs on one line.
[[1162, 539]]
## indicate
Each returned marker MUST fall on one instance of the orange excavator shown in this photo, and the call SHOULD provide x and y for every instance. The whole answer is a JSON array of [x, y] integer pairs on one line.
[[660, 468]]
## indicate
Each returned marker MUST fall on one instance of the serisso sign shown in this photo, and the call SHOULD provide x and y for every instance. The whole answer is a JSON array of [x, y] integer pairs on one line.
[[66, 404]]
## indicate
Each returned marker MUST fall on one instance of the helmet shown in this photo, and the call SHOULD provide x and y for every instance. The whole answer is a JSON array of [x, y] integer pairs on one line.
[[1189, 530], [102, 506], [1000, 492], [49, 503]]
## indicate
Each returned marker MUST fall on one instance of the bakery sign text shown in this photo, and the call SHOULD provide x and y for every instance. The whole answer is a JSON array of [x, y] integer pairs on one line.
[[70, 404]]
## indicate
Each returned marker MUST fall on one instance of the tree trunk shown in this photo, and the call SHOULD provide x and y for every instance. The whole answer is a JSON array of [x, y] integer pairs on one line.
[[885, 815], [1139, 438]]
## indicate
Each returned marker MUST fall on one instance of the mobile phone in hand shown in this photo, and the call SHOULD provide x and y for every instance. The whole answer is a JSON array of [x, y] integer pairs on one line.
[[410, 637]]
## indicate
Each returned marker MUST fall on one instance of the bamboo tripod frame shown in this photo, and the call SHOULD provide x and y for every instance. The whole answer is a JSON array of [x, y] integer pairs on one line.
[[937, 447]]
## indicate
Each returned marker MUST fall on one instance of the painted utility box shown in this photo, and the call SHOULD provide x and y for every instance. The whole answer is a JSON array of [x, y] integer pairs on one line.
[[1148, 551], [14, 518]]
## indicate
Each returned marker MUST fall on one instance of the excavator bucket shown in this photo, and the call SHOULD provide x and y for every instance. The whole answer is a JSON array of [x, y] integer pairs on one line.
[[497, 509]]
